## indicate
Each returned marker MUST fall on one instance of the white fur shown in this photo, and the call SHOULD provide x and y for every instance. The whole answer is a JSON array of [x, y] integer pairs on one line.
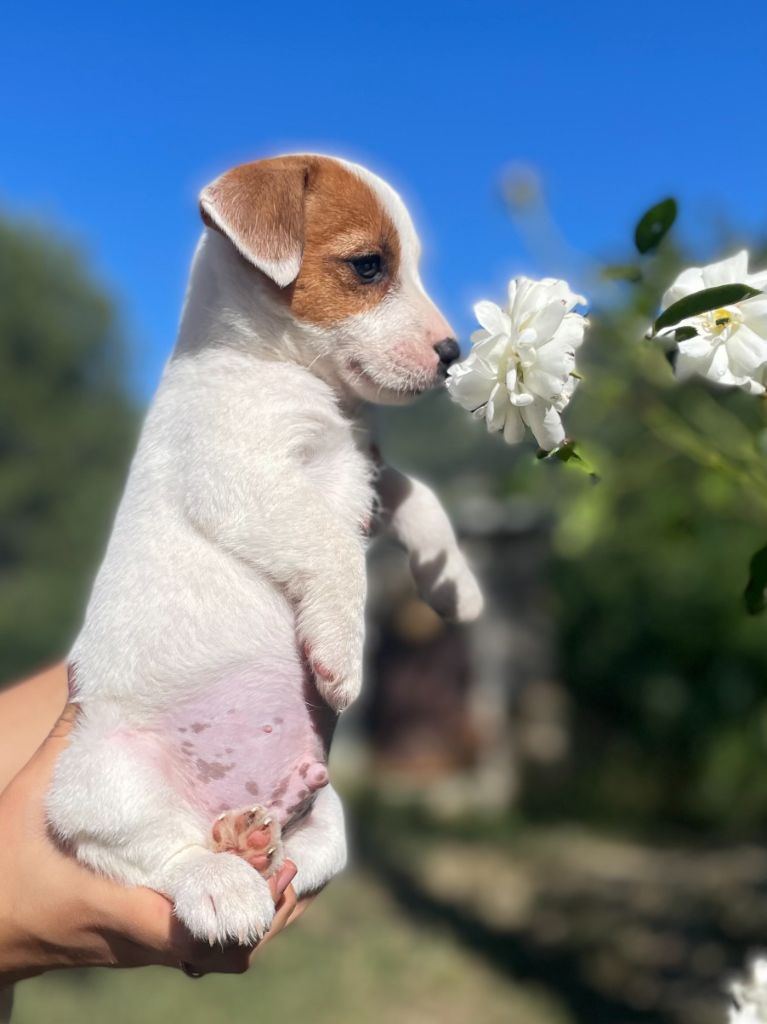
[[240, 525]]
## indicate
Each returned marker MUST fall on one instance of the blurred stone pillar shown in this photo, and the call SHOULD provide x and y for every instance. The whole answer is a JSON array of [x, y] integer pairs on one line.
[[512, 647], [463, 707], [414, 713]]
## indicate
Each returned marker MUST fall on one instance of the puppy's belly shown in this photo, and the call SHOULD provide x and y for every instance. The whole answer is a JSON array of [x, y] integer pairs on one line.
[[258, 736]]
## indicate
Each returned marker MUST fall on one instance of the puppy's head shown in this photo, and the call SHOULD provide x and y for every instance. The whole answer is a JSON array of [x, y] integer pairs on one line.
[[339, 246]]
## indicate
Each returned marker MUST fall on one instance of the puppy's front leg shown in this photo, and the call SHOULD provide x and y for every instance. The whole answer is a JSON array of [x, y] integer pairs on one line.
[[417, 519], [327, 584]]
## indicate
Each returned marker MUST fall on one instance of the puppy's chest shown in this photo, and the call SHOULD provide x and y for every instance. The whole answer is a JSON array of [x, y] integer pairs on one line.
[[341, 468]]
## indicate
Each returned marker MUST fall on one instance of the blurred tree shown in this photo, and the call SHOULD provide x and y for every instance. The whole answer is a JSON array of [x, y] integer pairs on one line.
[[67, 428], [666, 671]]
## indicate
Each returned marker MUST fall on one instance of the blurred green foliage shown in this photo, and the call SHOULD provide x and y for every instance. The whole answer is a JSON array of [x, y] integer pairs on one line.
[[666, 672], [67, 427]]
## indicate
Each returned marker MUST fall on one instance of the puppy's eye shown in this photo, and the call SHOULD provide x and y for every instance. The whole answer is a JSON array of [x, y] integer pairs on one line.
[[368, 268]]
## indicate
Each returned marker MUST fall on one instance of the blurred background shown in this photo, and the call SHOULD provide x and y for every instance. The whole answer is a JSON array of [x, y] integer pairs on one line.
[[558, 815]]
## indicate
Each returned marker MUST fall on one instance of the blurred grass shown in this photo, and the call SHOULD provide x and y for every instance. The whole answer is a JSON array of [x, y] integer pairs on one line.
[[617, 929], [354, 956]]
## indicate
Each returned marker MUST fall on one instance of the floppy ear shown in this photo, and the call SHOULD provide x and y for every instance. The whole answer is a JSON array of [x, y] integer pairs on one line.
[[260, 209]]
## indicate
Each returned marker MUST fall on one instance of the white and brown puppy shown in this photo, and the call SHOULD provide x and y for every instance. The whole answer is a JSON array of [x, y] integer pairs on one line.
[[225, 628]]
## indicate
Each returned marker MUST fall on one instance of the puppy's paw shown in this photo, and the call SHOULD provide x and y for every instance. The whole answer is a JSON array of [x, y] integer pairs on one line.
[[469, 600], [447, 584], [339, 684], [254, 835], [220, 898]]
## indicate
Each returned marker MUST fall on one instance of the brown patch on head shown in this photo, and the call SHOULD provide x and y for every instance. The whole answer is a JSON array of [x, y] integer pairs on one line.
[[343, 219], [299, 220]]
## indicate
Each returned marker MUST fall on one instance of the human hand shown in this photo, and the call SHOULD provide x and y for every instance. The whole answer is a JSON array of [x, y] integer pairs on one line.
[[55, 913]]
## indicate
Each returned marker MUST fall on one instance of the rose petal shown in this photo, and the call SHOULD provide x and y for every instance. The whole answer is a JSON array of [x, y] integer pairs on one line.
[[513, 428], [733, 270], [688, 282], [492, 318], [545, 423]]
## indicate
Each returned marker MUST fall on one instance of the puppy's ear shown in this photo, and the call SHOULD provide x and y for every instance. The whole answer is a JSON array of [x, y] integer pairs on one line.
[[260, 209]]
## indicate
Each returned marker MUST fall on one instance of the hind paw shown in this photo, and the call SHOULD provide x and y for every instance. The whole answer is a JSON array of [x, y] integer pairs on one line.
[[219, 898], [254, 835]]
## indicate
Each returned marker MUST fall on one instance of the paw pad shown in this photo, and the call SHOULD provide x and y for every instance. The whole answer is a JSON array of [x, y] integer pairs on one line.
[[253, 834]]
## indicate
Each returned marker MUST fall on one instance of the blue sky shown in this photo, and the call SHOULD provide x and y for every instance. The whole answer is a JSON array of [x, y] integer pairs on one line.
[[112, 116]]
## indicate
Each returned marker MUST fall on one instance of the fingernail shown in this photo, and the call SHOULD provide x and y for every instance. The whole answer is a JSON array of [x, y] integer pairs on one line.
[[286, 876]]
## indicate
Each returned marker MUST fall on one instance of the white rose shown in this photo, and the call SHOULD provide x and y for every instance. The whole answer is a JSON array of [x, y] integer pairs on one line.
[[730, 346], [750, 996], [521, 369]]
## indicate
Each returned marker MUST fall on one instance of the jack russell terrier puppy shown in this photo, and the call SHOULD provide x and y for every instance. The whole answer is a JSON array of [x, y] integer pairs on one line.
[[224, 632]]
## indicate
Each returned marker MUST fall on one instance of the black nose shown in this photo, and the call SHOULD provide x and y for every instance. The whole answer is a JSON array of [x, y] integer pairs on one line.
[[447, 350]]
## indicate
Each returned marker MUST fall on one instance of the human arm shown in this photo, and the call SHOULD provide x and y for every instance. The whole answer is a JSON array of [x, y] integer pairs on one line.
[[28, 712]]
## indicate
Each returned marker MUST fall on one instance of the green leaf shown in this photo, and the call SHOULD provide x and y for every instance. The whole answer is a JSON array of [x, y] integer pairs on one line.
[[703, 302], [569, 453], [755, 594], [654, 225], [621, 272], [684, 333]]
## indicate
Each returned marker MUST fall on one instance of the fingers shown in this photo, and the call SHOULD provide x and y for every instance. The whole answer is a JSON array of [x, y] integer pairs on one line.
[[63, 724], [284, 899], [284, 912], [233, 959], [278, 883], [301, 906], [146, 918], [236, 959]]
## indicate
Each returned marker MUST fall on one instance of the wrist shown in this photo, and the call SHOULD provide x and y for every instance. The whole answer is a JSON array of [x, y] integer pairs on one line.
[[29, 947], [40, 914], [17, 959]]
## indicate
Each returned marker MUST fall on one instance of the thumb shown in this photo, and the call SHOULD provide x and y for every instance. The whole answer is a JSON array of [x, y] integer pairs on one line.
[[64, 723], [42, 762]]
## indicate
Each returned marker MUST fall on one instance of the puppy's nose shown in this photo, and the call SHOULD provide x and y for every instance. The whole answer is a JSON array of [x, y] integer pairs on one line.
[[448, 351]]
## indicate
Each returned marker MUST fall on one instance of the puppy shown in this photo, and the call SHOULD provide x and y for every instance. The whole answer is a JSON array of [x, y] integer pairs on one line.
[[224, 632]]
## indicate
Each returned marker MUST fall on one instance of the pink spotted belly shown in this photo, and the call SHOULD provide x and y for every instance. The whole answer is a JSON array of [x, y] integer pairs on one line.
[[256, 737]]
